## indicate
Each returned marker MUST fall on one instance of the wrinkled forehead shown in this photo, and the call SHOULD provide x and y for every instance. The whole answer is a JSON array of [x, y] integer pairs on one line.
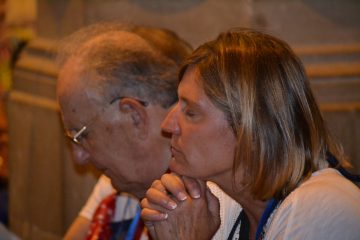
[[77, 92], [79, 100], [75, 80]]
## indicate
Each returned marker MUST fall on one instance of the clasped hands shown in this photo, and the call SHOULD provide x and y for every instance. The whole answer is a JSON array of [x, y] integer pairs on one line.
[[179, 207]]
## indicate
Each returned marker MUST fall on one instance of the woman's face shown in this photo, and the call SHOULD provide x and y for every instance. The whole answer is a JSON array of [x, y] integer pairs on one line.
[[202, 141]]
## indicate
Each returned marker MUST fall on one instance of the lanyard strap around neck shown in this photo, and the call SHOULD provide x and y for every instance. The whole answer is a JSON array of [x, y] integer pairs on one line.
[[243, 220], [245, 224], [134, 223], [270, 207]]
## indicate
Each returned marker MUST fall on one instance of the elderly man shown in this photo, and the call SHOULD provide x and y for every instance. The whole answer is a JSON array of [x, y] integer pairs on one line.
[[116, 84]]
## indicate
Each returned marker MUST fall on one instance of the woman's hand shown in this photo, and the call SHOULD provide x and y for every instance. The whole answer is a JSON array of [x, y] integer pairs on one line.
[[165, 194], [191, 211]]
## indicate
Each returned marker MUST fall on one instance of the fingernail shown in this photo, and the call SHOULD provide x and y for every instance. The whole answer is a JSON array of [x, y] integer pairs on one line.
[[172, 205], [164, 215], [182, 196], [195, 195]]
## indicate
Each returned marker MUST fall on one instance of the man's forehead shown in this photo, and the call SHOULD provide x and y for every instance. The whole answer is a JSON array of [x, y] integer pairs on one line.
[[69, 76], [76, 90], [76, 110], [75, 79], [81, 98]]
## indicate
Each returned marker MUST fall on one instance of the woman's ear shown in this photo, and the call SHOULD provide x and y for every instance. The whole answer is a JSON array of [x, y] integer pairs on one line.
[[138, 115]]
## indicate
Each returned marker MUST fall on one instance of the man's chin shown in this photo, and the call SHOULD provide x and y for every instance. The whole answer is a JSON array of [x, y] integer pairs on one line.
[[132, 189], [118, 187]]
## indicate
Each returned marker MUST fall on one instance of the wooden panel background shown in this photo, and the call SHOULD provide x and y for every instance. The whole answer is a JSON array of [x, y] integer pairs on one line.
[[47, 189]]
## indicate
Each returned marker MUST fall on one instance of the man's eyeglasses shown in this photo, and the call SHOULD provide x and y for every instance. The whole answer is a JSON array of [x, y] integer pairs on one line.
[[78, 136]]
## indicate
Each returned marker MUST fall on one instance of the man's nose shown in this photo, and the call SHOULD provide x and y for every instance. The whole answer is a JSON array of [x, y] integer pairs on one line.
[[80, 155]]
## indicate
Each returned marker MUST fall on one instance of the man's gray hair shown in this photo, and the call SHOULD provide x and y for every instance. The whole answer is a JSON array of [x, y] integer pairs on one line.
[[140, 67]]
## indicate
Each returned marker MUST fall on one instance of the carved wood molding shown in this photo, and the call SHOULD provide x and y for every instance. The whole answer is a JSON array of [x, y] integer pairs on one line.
[[334, 49], [340, 107], [32, 100], [330, 70]]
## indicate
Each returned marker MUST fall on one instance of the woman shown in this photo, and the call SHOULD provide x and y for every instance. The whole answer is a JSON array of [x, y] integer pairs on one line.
[[246, 119]]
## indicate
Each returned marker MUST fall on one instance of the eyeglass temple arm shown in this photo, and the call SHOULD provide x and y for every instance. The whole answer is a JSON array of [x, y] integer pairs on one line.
[[79, 133]]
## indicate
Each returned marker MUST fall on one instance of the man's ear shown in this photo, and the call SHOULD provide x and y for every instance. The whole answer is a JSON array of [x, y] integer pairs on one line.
[[138, 114]]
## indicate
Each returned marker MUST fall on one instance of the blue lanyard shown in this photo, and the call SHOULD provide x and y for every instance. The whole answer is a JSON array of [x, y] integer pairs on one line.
[[133, 225], [270, 207]]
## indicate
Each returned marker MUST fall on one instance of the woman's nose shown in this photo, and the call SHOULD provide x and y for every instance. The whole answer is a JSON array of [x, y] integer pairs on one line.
[[170, 123]]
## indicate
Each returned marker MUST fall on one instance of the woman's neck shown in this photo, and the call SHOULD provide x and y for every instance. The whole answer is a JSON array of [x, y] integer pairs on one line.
[[253, 208]]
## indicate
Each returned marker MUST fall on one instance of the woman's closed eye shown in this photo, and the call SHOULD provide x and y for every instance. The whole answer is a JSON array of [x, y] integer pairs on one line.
[[189, 113]]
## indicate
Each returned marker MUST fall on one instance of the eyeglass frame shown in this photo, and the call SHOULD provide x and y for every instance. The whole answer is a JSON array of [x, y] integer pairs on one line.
[[76, 138]]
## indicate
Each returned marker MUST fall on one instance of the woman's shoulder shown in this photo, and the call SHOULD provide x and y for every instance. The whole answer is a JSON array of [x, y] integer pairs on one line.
[[325, 204], [324, 185], [325, 188]]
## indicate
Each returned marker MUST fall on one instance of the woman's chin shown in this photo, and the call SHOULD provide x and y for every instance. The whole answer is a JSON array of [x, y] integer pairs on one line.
[[176, 167]]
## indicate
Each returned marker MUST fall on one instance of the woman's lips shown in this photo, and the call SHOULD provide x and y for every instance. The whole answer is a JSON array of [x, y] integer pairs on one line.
[[174, 151]]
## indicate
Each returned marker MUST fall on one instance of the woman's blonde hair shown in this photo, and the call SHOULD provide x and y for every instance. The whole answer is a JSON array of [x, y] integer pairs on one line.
[[261, 86]]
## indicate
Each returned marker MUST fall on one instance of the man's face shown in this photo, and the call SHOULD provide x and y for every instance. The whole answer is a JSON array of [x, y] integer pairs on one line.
[[111, 141]]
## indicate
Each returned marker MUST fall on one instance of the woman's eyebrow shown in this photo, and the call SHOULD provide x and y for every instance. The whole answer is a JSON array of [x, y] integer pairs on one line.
[[189, 102]]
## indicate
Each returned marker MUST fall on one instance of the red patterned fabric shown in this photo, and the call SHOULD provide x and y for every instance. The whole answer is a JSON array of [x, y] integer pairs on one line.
[[100, 228]]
